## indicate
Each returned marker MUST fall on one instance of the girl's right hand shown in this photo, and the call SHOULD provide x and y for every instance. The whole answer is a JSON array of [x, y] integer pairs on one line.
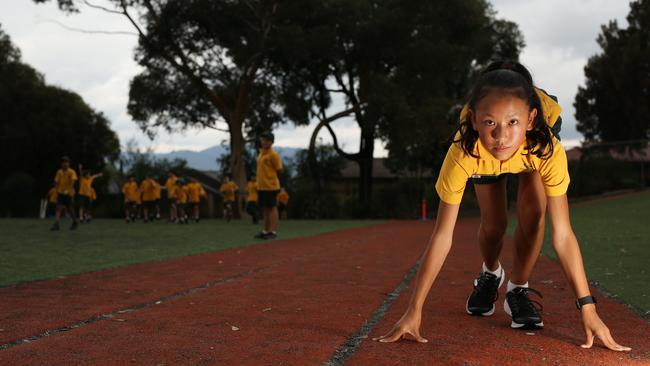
[[408, 327]]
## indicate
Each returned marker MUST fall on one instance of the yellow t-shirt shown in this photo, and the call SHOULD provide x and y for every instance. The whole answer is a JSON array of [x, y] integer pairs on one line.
[[51, 195], [85, 186], [195, 192], [148, 189], [64, 181], [269, 164], [93, 194], [181, 194], [283, 197], [228, 190], [131, 192], [251, 191], [458, 166], [170, 184], [156, 190]]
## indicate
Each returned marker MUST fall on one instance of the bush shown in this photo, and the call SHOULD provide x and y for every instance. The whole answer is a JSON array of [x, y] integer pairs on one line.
[[19, 196]]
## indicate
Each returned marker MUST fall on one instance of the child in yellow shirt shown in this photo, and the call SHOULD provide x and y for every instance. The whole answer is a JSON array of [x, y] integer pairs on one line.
[[64, 182]]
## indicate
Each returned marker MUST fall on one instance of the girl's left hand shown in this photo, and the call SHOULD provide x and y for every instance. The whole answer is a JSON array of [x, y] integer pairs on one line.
[[594, 327]]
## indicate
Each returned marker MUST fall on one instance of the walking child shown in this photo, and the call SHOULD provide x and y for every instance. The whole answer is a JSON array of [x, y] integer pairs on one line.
[[283, 201], [251, 199], [64, 182], [228, 189], [195, 193], [85, 193], [506, 128], [131, 195]]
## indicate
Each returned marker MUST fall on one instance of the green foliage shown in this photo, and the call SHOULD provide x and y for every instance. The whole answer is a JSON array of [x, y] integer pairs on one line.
[[614, 104], [42, 123], [593, 175], [311, 199], [143, 164]]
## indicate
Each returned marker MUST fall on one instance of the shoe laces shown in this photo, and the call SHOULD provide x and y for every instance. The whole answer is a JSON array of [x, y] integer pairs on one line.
[[523, 301], [487, 282]]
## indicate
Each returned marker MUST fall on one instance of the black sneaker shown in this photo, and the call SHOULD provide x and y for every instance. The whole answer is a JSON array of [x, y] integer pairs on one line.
[[74, 225], [270, 236], [260, 235], [525, 312], [55, 227], [485, 294]]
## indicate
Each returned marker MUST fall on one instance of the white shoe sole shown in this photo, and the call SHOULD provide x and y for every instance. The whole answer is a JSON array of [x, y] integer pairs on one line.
[[516, 325], [493, 306]]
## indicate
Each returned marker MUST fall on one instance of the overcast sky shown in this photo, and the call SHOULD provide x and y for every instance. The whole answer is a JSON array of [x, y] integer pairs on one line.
[[560, 36]]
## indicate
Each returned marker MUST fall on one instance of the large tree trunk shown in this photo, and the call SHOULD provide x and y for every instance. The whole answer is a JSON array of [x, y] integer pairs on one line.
[[238, 166], [367, 147]]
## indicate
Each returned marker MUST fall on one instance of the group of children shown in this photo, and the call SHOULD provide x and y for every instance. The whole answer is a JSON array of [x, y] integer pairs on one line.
[[143, 200], [61, 195]]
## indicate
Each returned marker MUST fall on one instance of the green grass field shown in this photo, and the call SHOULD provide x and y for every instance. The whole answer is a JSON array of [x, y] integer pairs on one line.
[[614, 237], [31, 252]]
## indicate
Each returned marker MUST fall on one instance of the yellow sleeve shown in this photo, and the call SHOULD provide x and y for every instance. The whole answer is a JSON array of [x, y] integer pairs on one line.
[[73, 176], [555, 171], [277, 162], [57, 177], [453, 176]]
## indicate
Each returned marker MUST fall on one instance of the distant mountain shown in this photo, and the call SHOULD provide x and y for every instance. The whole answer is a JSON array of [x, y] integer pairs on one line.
[[207, 159]]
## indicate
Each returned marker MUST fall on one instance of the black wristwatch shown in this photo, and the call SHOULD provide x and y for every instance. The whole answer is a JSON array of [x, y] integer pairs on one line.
[[584, 301]]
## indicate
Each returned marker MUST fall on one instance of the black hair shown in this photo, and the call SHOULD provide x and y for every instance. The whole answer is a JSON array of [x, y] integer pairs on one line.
[[514, 78], [268, 136]]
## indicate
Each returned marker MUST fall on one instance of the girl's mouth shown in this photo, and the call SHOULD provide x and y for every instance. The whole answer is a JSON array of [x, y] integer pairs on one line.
[[501, 148]]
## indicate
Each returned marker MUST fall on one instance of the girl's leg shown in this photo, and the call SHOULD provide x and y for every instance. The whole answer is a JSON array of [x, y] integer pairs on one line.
[[492, 202], [531, 208]]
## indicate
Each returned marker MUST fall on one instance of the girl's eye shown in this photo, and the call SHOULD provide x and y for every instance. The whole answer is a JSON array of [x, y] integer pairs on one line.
[[514, 121], [489, 122]]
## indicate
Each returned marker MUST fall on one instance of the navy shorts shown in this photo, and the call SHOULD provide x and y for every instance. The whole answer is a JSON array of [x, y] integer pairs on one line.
[[268, 199]]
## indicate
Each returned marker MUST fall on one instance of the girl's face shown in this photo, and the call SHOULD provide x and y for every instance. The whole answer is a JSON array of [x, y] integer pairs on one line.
[[501, 120]]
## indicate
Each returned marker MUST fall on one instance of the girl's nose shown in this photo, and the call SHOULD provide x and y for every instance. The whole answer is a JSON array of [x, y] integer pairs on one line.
[[499, 133]]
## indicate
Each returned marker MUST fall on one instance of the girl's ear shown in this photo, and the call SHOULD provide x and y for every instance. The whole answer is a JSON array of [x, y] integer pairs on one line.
[[531, 119]]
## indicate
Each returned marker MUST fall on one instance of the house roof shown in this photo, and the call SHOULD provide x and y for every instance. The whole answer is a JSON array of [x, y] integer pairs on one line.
[[642, 155]]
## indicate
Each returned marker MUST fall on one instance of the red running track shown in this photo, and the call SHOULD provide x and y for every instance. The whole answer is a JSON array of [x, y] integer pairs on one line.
[[302, 301]]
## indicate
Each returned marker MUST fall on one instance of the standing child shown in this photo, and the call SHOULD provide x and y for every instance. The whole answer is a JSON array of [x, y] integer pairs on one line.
[[283, 200], [148, 191], [269, 164], [228, 189], [251, 199], [195, 193], [506, 127], [170, 186], [156, 192], [131, 196], [85, 192], [64, 183], [181, 200]]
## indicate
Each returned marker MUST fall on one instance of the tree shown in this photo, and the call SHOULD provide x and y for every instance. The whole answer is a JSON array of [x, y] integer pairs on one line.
[[205, 65], [614, 104], [39, 124], [398, 65]]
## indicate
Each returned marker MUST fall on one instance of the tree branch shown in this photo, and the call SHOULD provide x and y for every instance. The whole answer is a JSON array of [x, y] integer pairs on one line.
[[87, 31], [99, 7]]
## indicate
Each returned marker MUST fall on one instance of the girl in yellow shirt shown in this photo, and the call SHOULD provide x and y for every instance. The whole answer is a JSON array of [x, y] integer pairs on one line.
[[506, 128]]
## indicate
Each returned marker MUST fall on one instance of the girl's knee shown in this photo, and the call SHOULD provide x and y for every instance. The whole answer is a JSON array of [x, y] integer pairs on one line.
[[495, 227]]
